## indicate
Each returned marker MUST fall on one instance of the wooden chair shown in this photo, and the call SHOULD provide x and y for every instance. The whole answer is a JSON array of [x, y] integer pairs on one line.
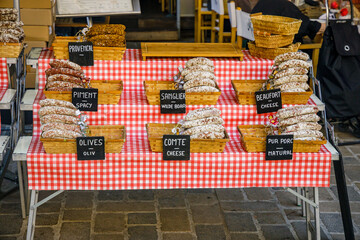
[[200, 24], [315, 46], [165, 5], [232, 17], [218, 15]]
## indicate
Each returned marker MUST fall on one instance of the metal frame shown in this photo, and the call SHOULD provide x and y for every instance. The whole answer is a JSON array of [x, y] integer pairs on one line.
[[342, 189], [34, 204], [20, 155], [305, 202], [304, 197], [5, 156], [20, 70], [10, 101], [338, 168]]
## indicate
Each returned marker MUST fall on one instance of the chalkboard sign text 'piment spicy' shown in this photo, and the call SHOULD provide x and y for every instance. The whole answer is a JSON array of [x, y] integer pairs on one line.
[[85, 99]]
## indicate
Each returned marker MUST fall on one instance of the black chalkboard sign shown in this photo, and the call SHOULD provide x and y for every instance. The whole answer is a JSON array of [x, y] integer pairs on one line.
[[279, 147], [85, 99], [81, 53], [268, 101], [176, 147], [172, 101], [90, 148]]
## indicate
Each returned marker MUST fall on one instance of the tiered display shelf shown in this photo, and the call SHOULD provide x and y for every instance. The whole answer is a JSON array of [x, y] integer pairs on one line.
[[136, 167]]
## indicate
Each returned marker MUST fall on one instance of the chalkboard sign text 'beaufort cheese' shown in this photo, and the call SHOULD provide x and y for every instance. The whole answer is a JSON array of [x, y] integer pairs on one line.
[[268, 101]]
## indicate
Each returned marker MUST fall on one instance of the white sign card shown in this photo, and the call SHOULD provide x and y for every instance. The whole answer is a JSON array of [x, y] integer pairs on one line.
[[244, 25]]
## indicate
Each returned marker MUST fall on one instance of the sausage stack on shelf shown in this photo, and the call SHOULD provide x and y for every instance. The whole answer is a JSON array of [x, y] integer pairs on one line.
[[301, 121], [107, 35], [203, 123], [198, 76], [11, 30], [290, 72], [60, 119], [64, 76]]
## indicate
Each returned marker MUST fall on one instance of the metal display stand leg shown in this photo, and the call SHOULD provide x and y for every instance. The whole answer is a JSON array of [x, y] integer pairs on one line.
[[339, 172], [22, 194], [341, 188], [317, 213], [343, 199], [307, 215], [34, 204], [298, 201], [14, 128], [306, 204], [23, 188], [13, 125], [26, 187], [32, 215], [303, 208], [4, 173]]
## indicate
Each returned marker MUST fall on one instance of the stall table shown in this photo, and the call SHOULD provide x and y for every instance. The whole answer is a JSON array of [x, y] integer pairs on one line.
[[136, 167]]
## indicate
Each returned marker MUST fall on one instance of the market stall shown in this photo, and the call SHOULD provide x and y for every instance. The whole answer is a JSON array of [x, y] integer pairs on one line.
[[137, 167], [129, 83]]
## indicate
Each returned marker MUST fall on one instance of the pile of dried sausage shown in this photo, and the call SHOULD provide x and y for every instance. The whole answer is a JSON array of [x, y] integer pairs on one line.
[[198, 76], [64, 76], [59, 119], [301, 121], [290, 72], [11, 30], [203, 123]]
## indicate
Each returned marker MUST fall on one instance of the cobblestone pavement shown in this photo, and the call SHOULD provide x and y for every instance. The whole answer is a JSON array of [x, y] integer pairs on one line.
[[253, 213]]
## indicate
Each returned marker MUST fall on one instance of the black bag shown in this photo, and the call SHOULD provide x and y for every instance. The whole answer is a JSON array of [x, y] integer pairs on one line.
[[339, 69]]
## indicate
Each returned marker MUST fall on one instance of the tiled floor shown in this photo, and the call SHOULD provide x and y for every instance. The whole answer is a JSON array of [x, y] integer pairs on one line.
[[253, 213]]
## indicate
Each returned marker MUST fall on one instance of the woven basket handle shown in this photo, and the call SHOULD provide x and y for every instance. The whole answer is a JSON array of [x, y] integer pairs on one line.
[[262, 33], [256, 14]]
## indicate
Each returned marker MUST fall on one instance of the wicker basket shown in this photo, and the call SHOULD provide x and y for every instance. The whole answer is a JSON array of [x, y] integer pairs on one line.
[[156, 131], [109, 92], [10, 50], [61, 51], [114, 140], [273, 41], [271, 53], [245, 93], [276, 24], [253, 139], [152, 90]]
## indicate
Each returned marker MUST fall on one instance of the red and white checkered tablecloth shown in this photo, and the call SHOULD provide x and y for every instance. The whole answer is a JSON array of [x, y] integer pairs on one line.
[[4, 75], [136, 167], [132, 70]]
